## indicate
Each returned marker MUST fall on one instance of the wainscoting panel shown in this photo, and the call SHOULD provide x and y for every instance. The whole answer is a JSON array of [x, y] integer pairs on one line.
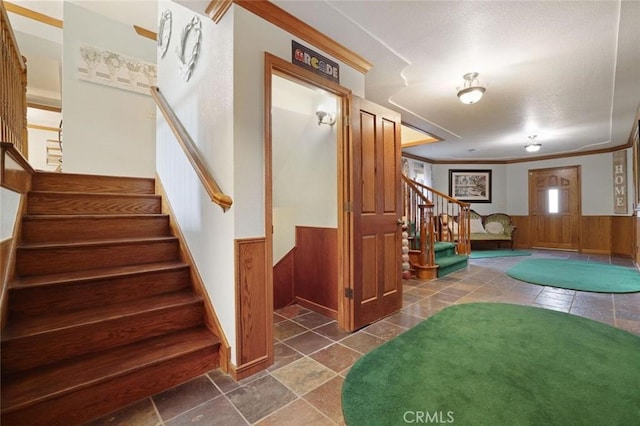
[[636, 249], [316, 269], [254, 307], [622, 235], [598, 234], [522, 238], [595, 234], [283, 278]]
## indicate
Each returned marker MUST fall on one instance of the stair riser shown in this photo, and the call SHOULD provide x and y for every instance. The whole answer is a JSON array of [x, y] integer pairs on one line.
[[445, 253], [66, 229], [90, 403], [90, 183], [74, 204], [36, 301], [27, 352], [52, 260]]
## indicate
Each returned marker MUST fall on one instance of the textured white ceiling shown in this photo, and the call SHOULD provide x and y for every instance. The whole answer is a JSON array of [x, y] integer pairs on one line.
[[566, 71]]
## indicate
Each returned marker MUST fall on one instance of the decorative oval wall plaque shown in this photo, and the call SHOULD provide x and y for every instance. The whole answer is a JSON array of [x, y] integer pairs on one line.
[[190, 37], [164, 32]]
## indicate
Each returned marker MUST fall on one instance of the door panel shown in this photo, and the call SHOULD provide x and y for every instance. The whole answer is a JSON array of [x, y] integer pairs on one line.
[[376, 201], [555, 225]]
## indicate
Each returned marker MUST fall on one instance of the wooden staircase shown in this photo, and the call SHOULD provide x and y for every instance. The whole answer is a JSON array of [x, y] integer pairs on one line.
[[427, 210], [102, 311]]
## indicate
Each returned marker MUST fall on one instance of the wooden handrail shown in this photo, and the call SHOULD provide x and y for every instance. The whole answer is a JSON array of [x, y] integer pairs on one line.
[[191, 151], [13, 87], [440, 194]]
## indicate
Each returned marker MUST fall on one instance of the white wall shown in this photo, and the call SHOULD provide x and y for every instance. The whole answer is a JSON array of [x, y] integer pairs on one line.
[[253, 36], [596, 177], [498, 185], [9, 204], [222, 109], [107, 131], [510, 190], [204, 104], [305, 175]]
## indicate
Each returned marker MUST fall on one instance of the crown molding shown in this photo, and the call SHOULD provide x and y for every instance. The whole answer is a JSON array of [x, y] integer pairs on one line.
[[282, 19], [217, 9]]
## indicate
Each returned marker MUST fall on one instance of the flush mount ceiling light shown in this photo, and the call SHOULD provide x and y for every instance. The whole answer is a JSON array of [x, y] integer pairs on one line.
[[472, 91], [533, 145]]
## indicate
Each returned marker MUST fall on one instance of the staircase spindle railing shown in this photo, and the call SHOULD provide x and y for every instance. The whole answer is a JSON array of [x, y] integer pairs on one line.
[[13, 88], [418, 215], [451, 217]]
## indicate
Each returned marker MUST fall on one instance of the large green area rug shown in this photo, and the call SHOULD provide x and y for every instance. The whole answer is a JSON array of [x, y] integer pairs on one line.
[[498, 364], [577, 275], [481, 254]]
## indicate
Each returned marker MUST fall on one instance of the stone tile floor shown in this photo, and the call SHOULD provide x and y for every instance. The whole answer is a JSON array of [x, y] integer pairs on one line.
[[313, 356]]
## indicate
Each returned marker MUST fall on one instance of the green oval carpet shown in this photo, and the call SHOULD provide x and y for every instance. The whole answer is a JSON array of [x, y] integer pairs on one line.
[[498, 364], [481, 254], [577, 275]]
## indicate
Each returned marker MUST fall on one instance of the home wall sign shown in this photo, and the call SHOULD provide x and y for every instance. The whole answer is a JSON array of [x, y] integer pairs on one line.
[[114, 69], [620, 182], [314, 62], [189, 45], [164, 32]]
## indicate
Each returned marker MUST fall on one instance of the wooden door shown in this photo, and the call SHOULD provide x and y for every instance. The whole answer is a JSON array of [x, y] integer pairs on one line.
[[375, 195], [554, 207]]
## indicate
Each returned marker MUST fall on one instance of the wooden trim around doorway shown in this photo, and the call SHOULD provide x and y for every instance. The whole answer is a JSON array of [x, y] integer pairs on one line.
[[278, 17], [274, 65]]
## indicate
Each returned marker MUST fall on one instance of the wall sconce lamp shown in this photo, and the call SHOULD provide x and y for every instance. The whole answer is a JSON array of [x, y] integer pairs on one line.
[[325, 117]]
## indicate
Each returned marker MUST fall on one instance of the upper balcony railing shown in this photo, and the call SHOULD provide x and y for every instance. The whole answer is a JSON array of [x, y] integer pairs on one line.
[[13, 88]]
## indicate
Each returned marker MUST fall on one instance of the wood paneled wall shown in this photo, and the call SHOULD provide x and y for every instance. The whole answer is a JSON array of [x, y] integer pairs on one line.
[[316, 269], [598, 234], [636, 248], [622, 232], [254, 308], [283, 279]]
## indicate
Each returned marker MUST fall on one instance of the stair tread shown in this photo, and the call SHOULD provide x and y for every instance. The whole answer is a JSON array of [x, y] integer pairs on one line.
[[94, 194], [45, 217], [55, 322], [46, 382], [96, 243], [94, 274]]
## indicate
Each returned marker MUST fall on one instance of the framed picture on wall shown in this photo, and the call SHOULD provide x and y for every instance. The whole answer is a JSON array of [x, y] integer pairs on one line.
[[471, 186]]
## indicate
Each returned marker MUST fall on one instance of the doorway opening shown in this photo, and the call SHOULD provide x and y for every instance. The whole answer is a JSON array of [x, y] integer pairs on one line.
[[305, 196], [555, 208], [306, 186]]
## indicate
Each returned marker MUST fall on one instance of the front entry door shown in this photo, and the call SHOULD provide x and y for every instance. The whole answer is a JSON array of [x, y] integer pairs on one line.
[[554, 208], [376, 209]]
